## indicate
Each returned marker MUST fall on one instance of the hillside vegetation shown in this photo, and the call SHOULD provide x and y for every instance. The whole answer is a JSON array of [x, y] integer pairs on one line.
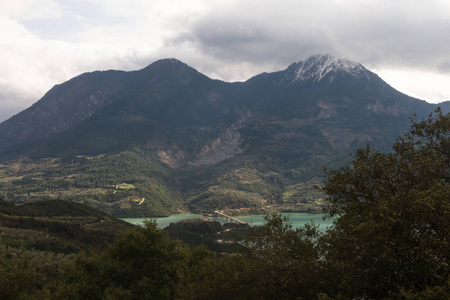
[[96, 181], [390, 241], [39, 239], [188, 142], [133, 184]]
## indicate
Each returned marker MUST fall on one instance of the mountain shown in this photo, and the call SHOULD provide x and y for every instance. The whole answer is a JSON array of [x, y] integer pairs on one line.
[[185, 141]]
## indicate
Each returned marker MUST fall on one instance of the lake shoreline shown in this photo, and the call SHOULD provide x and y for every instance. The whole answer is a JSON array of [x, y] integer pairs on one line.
[[296, 219]]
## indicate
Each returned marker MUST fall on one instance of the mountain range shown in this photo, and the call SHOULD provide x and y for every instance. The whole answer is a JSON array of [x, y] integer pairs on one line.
[[184, 141]]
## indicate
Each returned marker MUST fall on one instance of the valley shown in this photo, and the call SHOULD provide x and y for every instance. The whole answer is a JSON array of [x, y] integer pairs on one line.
[[323, 133], [185, 142]]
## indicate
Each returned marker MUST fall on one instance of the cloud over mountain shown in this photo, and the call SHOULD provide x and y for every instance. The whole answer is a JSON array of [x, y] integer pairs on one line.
[[233, 40]]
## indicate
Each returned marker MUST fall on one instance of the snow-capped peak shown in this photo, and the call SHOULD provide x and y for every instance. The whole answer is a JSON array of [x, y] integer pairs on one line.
[[317, 67]]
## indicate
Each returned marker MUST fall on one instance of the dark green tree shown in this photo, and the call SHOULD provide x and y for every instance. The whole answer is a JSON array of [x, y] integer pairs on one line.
[[393, 231], [287, 259], [274, 262], [142, 263], [18, 279]]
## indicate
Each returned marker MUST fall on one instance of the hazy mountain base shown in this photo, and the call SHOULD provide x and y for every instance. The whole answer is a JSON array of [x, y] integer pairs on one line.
[[95, 180], [159, 190]]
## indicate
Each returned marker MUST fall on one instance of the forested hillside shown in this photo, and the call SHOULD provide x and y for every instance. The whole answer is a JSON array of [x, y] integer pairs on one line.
[[390, 241], [187, 142], [96, 181]]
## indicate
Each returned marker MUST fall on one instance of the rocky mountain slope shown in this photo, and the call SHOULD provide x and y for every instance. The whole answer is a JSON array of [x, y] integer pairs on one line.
[[224, 144]]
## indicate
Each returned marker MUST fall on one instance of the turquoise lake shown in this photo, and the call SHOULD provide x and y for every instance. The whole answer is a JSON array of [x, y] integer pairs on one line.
[[297, 219]]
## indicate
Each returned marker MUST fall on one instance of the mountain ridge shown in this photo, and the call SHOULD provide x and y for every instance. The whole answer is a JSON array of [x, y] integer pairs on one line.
[[177, 95], [207, 143], [315, 69]]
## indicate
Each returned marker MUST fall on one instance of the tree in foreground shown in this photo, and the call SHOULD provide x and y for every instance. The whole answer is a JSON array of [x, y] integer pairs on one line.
[[142, 263], [274, 262], [392, 236]]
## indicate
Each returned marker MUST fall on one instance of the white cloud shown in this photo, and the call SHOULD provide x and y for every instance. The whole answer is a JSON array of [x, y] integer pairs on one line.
[[45, 42], [31, 9], [417, 83]]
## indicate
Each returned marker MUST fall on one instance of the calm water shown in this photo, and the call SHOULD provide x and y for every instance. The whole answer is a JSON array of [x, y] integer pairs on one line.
[[297, 219]]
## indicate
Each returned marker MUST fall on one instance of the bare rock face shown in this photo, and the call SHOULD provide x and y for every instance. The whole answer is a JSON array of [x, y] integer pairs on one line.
[[225, 146], [172, 158], [396, 109], [341, 139]]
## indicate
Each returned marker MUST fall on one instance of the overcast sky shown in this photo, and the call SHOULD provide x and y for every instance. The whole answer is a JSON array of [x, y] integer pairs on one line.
[[46, 42]]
